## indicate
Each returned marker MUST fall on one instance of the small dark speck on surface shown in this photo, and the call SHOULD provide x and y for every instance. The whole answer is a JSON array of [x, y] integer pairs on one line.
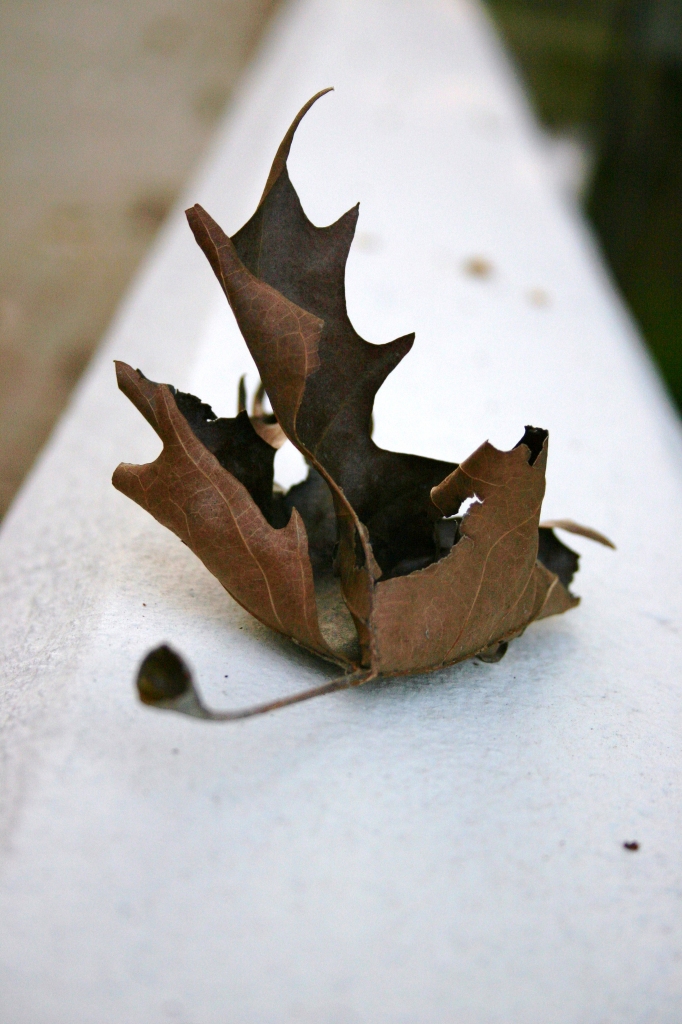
[[631, 846], [227, 677], [538, 297], [175, 750], [144, 605], [367, 242], [478, 266]]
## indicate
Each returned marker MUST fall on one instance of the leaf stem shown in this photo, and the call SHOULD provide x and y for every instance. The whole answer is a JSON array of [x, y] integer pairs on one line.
[[165, 681], [342, 683]]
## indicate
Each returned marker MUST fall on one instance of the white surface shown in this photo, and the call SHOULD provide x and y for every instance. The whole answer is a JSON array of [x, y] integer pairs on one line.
[[441, 849]]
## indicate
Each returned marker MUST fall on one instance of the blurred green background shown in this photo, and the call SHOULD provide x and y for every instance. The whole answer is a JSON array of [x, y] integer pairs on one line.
[[607, 74]]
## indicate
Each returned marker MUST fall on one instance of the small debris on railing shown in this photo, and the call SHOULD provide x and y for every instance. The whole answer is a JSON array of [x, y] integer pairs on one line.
[[478, 266]]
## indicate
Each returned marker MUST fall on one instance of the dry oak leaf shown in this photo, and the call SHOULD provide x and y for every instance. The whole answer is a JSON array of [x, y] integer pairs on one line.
[[367, 562]]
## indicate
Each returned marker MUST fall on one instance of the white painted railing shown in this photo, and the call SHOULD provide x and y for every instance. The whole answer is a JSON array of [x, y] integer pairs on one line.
[[448, 848]]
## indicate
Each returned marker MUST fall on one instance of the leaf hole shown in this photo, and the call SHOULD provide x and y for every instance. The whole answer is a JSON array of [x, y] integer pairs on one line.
[[447, 531], [466, 505]]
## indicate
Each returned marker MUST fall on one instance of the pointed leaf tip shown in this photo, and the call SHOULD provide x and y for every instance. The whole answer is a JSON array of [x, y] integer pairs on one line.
[[282, 154], [579, 530]]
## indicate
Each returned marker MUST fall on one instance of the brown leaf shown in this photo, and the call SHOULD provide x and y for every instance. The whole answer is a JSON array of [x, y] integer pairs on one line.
[[320, 375], [266, 570], [490, 586], [425, 587]]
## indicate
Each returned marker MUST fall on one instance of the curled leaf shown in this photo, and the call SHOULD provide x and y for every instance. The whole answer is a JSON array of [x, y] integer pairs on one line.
[[217, 496], [368, 562]]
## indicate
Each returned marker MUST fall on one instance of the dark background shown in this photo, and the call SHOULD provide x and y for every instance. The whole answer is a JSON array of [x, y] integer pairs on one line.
[[608, 73]]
